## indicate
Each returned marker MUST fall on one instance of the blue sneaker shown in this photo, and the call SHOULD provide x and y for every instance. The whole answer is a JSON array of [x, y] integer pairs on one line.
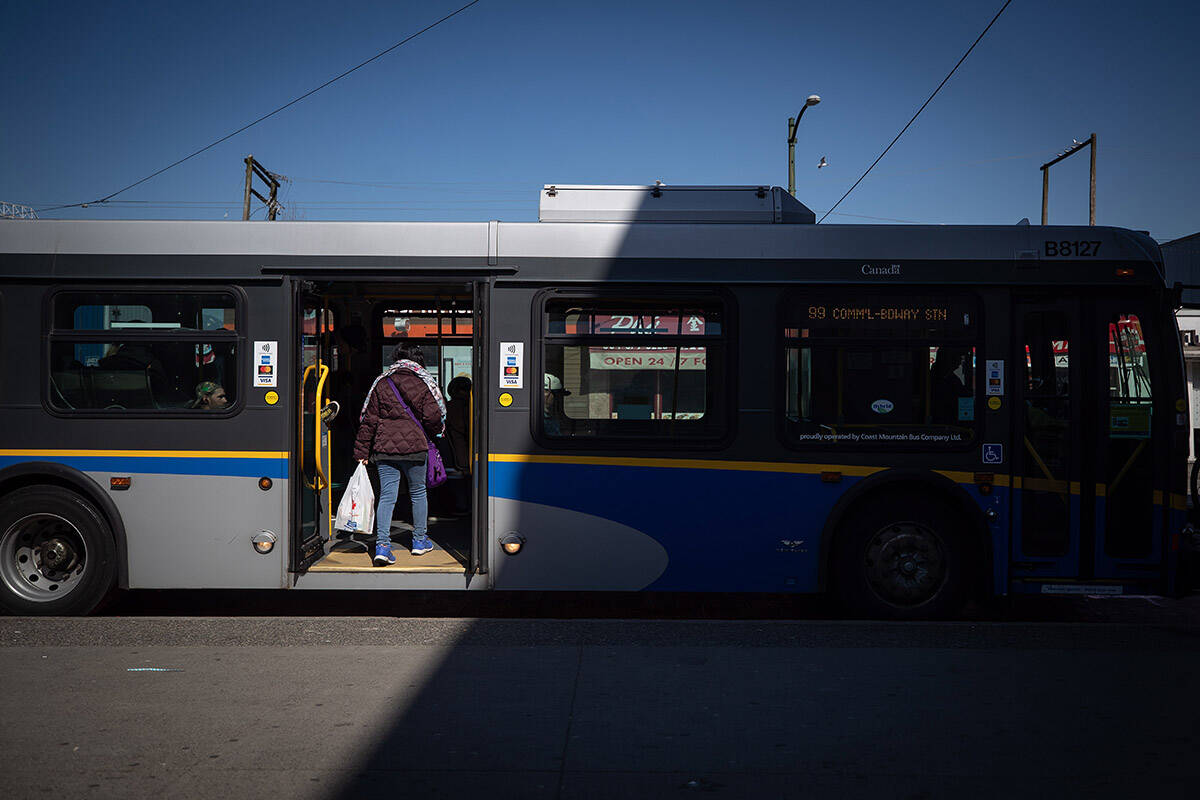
[[383, 556], [421, 545]]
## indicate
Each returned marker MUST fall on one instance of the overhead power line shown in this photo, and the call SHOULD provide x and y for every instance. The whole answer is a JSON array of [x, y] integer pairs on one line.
[[287, 105], [919, 110]]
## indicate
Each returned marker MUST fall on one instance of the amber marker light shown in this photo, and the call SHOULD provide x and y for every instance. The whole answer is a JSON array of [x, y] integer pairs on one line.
[[1124, 272], [119, 484], [831, 477], [984, 481], [265, 483], [264, 542]]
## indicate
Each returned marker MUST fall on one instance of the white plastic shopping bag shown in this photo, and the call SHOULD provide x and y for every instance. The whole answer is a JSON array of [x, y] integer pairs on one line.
[[356, 512]]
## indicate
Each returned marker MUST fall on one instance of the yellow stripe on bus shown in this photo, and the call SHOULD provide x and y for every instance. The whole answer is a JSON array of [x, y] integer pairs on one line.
[[742, 466], [145, 453]]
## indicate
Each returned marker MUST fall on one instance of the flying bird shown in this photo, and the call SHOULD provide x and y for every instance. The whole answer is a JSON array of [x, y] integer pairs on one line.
[[823, 163]]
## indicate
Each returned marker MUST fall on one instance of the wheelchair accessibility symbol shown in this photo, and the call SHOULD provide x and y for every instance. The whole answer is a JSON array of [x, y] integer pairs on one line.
[[993, 454]]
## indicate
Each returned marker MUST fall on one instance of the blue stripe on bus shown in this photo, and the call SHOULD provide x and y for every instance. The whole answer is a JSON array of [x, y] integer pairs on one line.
[[274, 468]]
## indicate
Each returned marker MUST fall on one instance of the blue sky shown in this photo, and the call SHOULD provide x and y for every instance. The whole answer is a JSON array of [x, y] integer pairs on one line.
[[469, 120]]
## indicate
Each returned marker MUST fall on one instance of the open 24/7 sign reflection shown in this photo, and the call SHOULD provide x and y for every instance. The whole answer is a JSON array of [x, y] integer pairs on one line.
[[690, 358]]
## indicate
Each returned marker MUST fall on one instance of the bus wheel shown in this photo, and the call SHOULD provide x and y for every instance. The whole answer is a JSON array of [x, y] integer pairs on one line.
[[896, 560], [57, 555]]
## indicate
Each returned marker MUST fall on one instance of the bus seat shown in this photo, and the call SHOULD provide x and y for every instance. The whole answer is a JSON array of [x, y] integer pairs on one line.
[[69, 389], [124, 388]]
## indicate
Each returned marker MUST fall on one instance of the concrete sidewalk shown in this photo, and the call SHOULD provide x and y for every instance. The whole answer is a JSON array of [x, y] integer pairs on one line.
[[593, 709]]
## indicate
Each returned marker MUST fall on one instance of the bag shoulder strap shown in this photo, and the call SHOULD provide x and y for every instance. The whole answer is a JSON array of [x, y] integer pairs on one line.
[[407, 410]]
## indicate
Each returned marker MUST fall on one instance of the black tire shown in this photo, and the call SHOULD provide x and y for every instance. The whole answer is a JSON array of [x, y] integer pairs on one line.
[[898, 559], [57, 553]]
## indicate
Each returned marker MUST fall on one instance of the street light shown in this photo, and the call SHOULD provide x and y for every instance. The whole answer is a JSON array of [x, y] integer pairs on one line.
[[793, 123]]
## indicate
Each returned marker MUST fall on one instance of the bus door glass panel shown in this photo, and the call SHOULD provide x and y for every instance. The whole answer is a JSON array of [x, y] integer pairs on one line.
[[1047, 458], [316, 328], [1128, 518]]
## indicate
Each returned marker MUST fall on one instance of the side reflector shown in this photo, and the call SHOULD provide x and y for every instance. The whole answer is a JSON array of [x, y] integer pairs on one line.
[[831, 477], [119, 484]]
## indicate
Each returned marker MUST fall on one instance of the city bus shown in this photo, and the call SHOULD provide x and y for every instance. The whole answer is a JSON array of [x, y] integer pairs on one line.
[[678, 389]]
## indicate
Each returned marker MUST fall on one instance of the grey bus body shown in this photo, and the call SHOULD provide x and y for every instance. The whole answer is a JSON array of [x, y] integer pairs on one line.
[[195, 497]]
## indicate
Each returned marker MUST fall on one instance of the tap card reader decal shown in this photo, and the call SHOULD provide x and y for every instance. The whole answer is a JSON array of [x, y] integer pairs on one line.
[[512, 365], [265, 364], [995, 378]]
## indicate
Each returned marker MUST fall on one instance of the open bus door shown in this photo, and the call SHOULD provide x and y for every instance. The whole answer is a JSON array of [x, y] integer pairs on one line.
[[1089, 463], [311, 463]]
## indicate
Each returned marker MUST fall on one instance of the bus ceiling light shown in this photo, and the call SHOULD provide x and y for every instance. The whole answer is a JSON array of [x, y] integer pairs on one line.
[[511, 543], [264, 542]]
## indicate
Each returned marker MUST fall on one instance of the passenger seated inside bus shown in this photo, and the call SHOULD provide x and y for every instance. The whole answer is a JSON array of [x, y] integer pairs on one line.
[[210, 396], [949, 382]]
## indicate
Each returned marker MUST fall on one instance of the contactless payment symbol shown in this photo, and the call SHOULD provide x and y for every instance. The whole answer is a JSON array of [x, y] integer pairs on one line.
[[993, 453]]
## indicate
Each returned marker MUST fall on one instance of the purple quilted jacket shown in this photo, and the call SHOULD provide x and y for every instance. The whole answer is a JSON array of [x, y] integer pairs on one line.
[[386, 429]]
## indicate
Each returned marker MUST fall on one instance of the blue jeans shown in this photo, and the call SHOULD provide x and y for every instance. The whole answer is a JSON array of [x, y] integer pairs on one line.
[[389, 489]]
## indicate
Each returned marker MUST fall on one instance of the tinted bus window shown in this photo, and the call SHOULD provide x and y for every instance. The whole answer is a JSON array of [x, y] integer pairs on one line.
[[880, 370], [630, 369], [138, 351]]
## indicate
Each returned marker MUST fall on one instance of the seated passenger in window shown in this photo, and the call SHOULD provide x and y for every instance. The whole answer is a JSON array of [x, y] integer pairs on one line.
[[948, 382], [210, 397]]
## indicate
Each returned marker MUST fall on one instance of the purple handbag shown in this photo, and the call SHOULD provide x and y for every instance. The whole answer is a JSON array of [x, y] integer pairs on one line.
[[435, 470]]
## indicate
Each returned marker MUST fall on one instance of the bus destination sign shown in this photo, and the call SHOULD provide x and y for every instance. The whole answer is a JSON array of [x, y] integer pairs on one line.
[[882, 313], [875, 315]]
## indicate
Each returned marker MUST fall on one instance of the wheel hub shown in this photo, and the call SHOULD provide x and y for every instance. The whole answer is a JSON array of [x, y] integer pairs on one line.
[[905, 564], [42, 557], [57, 555]]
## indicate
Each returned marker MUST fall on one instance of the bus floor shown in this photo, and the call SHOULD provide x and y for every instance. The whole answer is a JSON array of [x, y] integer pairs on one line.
[[451, 537]]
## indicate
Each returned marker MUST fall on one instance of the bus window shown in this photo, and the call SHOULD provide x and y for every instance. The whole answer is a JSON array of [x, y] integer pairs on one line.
[[880, 371], [616, 368], [130, 350], [443, 327], [1129, 473]]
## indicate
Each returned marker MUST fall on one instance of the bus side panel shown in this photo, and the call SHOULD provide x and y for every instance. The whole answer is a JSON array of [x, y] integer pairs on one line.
[[661, 528], [194, 501]]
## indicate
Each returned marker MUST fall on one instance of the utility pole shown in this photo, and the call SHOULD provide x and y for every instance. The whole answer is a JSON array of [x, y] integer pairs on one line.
[[270, 179], [1070, 151]]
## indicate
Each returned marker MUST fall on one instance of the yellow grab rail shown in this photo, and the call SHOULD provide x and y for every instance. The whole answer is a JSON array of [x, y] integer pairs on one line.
[[303, 383], [322, 480]]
